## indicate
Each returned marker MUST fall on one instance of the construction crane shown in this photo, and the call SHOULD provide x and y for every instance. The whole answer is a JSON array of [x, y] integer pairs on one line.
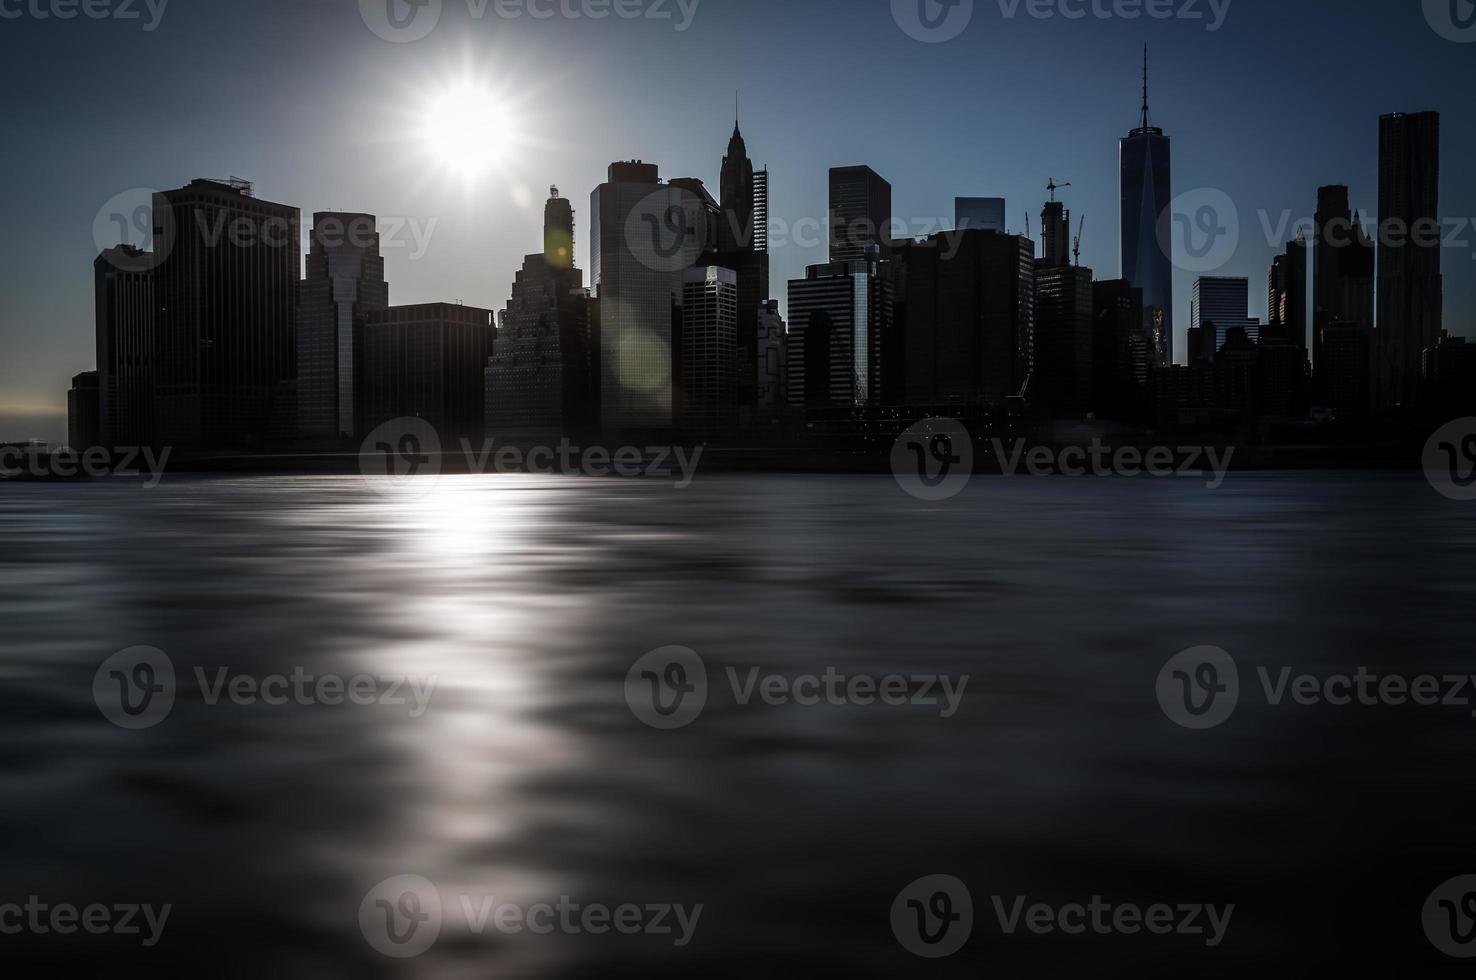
[[1052, 186], [1076, 246]]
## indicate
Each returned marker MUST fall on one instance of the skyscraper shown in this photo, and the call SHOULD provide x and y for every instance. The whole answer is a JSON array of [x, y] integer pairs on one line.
[[743, 247], [644, 234], [1343, 268], [126, 323], [541, 379], [1119, 350], [1286, 295], [709, 332], [1222, 302], [1146, 193], [967, 319], [345, 283], [771, 396], [736, 195], [427, 361], [1410, 285], [839, 316], [860, 212], [1063, 320], [227, 291], [1332, 228]]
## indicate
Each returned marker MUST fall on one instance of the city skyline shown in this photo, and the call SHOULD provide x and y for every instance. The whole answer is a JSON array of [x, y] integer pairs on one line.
[[482, 230]]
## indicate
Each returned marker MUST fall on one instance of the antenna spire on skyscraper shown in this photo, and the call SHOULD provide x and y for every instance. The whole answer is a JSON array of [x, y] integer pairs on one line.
[[1145, 87]]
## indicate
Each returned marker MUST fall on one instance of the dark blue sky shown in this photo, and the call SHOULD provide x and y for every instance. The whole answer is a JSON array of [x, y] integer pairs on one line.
[[321, 113]]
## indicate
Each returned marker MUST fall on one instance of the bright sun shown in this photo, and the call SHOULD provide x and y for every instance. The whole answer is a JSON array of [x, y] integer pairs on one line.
[[467, 129]]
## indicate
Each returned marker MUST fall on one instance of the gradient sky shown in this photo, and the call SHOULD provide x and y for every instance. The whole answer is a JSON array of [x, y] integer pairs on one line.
[[305, 100]]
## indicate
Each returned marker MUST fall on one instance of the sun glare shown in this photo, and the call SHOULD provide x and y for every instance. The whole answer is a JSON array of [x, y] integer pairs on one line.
[[467, 129]]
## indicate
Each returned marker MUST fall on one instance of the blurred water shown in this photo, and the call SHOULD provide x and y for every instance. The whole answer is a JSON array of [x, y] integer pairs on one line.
[[528, 778]]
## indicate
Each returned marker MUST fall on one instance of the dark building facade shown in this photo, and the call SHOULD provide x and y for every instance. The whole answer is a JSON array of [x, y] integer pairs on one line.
[[637, 289], [126, 321], [1221, 304], [860, 212], [1063, 321], [542, 378], [428, 362], [966, 319], [1342, 268], [743, 247], [82, 412], [840, 316], [226, 288], [1345, 386], [1119, 350], [1146, 184], [1410, 286], [706, 377], [345, 284], [1449, 370], [773, 359], [1286, 298]]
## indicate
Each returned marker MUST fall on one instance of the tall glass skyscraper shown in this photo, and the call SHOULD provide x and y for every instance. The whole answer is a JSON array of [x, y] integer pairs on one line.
[[637, 281], [227, 289], [344, 284], [1147, 191], [1410, 286]]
